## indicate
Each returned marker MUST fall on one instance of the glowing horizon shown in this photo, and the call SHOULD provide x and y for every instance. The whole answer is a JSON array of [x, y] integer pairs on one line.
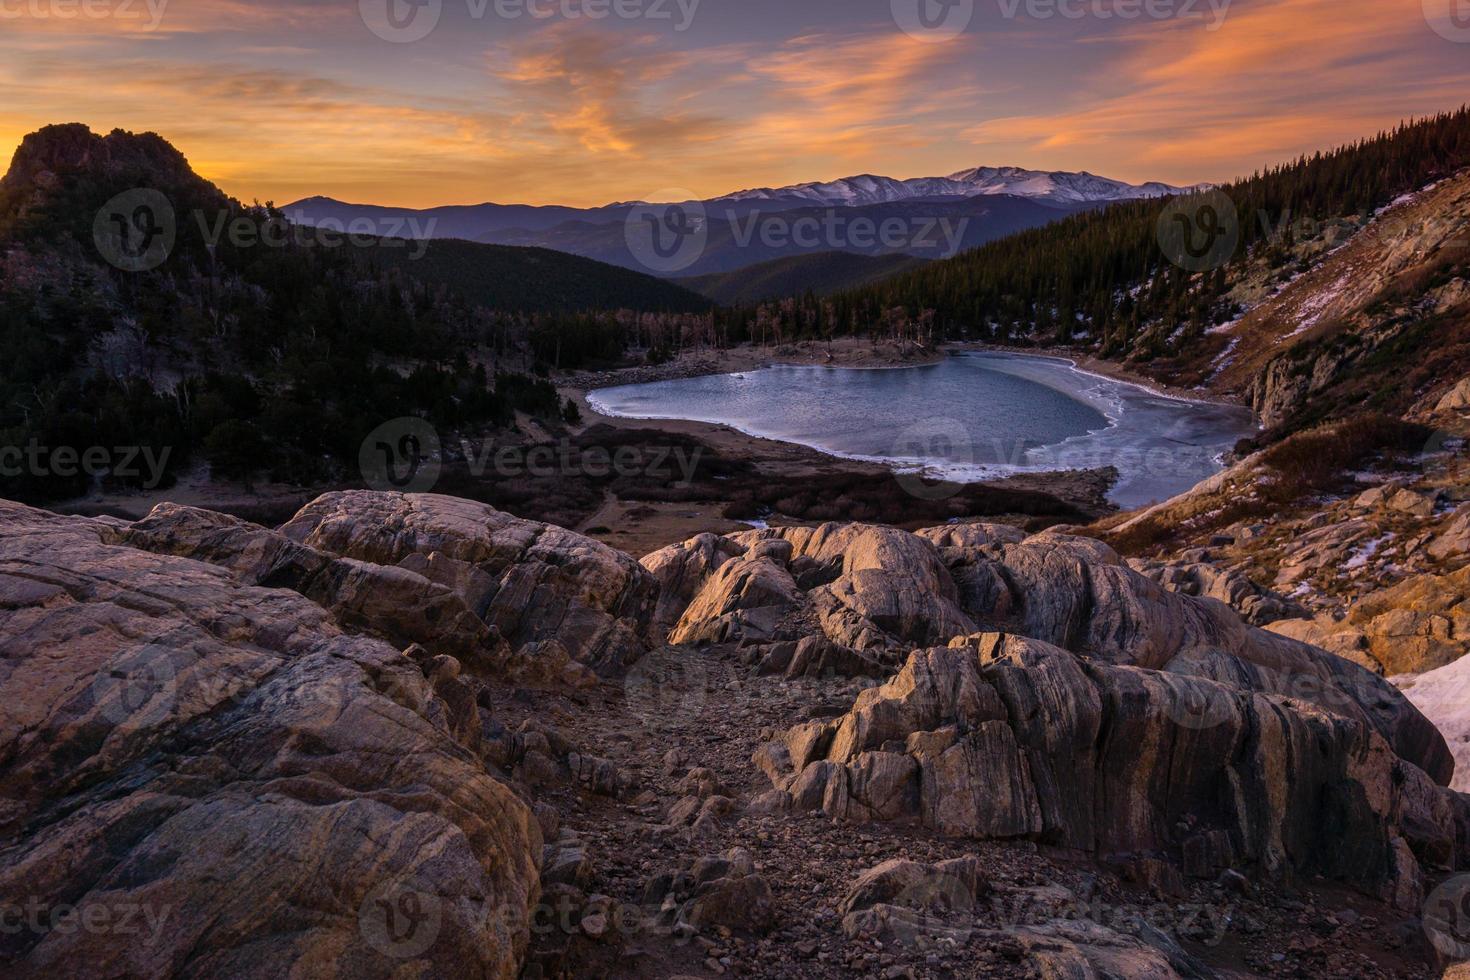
[[280, 100]]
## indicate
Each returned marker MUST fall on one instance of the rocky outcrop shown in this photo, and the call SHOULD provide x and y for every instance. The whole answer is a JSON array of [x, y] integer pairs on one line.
[[531, 582], [1418, 625], [396, 604], [1078, 595], [681, 571], [872, 589], [1009, 737], [1257, 605], [218, 780], [744, 599], [1105, 713]]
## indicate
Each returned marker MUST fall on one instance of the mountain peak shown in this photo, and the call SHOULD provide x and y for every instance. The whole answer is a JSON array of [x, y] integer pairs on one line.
[[69, 162], [72, 148]]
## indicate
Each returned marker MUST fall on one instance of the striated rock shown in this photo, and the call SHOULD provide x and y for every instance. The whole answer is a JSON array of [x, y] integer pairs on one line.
[[1076, 594], [745, 598], [1072, 593], [532, 582], [1005, 736], [155, 702], [393, 603], [1257, 605], [681, 571]]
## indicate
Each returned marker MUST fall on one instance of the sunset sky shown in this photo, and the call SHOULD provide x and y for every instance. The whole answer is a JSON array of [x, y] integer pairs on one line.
[[278, 100]]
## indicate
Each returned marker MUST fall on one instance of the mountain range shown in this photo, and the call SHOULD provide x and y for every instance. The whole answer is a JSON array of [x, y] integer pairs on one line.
[[1051, 187], [750, 226]]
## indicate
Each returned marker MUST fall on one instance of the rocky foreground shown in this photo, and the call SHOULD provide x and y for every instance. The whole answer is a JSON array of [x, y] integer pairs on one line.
[[414, 736]]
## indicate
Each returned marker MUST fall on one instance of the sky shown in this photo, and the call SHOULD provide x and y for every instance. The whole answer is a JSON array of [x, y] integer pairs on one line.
[[418, 103]]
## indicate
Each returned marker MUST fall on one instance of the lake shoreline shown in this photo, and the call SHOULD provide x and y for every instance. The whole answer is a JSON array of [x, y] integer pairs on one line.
[[859, 354], [1159, 450]]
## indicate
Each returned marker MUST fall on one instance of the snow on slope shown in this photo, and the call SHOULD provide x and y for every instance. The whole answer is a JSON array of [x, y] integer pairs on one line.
[[1055, 187]]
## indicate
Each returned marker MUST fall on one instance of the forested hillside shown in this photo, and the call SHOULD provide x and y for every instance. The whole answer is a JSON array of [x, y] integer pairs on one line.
[[141, 307], [1082, 275], [534, 280]]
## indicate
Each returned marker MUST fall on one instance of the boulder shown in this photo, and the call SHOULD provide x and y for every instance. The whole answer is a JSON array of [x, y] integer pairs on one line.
[[817, 656], [713, 892], [681, 571], [905, 901], [1009, 737], [530, 581], [155, 702], [744, 599], [1453, 539]]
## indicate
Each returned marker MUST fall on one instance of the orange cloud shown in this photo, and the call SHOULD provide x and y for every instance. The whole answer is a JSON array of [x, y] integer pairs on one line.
[[277, 99], [1277, 79]]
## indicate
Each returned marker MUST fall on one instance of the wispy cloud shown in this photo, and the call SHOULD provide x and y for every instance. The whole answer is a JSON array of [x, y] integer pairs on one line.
[[281, 99], [1276, 79]]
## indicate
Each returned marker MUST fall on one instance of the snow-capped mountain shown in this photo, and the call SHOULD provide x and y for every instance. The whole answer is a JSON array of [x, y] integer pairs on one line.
[[1054, 187]]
